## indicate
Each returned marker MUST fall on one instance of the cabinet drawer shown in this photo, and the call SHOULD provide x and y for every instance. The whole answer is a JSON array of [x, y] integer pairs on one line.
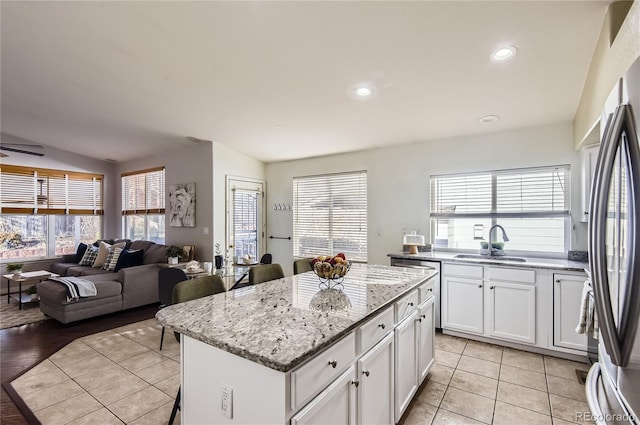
[[375, 329], [512, 275], [311, 378], [425, 290], [449, 269], [406, 305]]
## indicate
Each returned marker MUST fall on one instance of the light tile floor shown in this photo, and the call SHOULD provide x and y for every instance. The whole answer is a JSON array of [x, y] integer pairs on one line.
[[113, 377], [120, 376], [477, 383]]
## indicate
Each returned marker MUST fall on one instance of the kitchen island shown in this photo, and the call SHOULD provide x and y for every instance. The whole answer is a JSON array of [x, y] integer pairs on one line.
[[291, 350]]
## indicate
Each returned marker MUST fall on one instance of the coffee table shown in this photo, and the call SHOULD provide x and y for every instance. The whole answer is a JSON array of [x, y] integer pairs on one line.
[[38, 275]]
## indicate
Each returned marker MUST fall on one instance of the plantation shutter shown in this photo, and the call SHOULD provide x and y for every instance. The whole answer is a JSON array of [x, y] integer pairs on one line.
[[25, 190], [143, 192], [330, 215]]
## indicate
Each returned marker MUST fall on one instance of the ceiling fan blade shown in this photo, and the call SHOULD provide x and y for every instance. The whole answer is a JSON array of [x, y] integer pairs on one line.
[[24, 145], [5, 148]]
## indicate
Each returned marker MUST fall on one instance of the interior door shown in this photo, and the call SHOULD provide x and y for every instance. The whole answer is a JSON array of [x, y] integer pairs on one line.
[[245, 217]]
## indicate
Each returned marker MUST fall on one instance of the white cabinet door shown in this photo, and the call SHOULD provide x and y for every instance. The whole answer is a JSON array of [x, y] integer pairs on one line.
[[512, 311], [406, 363], [462, 304], [426, 338], [567, 299], [375, 393], [335, 405]]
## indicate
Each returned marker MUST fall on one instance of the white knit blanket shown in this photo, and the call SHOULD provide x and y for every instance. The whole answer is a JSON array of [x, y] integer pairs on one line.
[[77, 287]]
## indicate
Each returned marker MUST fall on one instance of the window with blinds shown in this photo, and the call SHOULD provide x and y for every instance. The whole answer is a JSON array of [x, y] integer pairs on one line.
[[330, 215], [531, 204], [143, 204], [46, 212], [26, 190]]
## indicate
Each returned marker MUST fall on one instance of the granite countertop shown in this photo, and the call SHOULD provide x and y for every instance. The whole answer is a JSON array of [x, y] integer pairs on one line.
[[274, 324], [532, 262]]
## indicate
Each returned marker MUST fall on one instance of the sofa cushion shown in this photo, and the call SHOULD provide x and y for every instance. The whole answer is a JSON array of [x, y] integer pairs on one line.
[[89, 256], [61, 268], [97, 243], [55, 292], [82, 248], [103, 252], [93, 271], [155, 254], [127, 242], [129, 258], [143, 245]]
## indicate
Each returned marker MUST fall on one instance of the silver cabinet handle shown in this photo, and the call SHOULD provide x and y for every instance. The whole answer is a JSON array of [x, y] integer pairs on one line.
[[333, 363], [557, 280], [424, 316], [411, 304], [418, 320], [356, 383], [430, 289], [381, 325], [480, 286], [365, 372], [491, 287]]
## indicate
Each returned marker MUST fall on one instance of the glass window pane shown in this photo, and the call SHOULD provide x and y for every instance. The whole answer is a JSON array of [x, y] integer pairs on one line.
[[155, 228], [90, 228], [134, 227], [533, 234], [23, 236], [65, 241]]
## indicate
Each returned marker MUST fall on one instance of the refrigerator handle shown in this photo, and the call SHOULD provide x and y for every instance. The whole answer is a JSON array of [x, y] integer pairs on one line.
[[631, 312], [597, 228]]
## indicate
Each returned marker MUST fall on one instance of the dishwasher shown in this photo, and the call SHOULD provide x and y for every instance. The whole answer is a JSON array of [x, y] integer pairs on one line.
[[423, 264]]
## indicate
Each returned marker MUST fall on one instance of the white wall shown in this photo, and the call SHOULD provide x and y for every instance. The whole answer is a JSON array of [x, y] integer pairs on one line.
[[228, 162], [63, 160], [182, 165], [398, 192]]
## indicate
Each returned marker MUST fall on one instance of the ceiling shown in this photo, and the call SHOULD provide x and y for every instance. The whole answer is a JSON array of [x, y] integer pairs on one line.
[[274, 80]]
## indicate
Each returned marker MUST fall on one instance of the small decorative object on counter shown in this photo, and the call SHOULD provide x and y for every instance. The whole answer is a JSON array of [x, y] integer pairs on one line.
[[413, 240], [15, 268], [330, 270], [174, 253]]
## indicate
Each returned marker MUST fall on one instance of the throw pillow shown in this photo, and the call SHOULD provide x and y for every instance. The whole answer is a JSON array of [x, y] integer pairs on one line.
[[103, 252], [129, 258], [89, 256], [82, 248], [112, 259]]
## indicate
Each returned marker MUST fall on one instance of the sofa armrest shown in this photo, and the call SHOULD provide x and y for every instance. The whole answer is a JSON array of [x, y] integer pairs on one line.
[[139, 285], [68, 258]]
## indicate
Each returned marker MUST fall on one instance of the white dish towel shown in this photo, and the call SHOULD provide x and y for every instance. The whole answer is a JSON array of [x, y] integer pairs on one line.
[[588, 320]]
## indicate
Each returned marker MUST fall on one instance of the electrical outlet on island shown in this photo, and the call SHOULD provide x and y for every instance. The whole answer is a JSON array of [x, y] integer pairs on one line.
[[226, 401]]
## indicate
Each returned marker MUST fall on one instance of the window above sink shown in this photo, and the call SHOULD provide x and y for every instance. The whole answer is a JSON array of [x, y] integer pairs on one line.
[[532, 204]]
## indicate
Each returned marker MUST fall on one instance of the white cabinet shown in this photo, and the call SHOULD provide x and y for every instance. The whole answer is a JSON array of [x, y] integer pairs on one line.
[[426, 338], [375, 372], [567, 297], [512, 311], [406, 363], [335, 405], [462, 304], [588, 159]]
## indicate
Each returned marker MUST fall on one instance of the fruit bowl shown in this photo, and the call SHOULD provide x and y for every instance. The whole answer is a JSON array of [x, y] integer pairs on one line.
[[330, 269]]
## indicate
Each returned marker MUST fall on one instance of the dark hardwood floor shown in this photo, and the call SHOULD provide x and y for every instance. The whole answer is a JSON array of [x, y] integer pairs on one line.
[[24, 346]]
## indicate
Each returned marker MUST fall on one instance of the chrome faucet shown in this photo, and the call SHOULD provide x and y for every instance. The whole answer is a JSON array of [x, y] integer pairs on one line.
[[504, 237]]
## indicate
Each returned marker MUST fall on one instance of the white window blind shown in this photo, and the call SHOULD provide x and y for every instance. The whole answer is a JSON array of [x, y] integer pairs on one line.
[[532, 204], [330, 215], [26, 190], [246, 222], [143, 192]]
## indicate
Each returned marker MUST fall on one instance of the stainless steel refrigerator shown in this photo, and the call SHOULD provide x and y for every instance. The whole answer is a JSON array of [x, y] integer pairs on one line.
[[613, 383]]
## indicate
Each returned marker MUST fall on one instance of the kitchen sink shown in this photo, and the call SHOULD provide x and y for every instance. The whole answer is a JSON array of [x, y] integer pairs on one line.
[[491, 257]]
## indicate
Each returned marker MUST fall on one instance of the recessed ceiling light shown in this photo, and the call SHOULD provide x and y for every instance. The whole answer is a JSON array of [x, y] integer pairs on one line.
[[502, 54], [488, 119], [363, 91]]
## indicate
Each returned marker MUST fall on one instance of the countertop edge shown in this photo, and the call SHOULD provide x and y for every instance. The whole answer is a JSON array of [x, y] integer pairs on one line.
[[532, 262], [282, 367]]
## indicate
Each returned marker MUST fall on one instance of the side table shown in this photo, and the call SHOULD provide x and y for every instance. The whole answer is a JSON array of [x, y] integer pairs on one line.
[[38, 275]]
